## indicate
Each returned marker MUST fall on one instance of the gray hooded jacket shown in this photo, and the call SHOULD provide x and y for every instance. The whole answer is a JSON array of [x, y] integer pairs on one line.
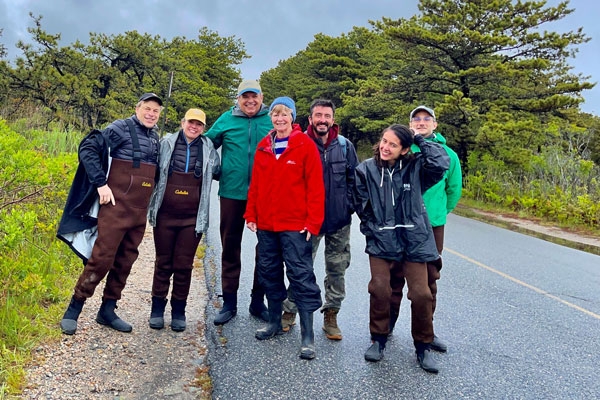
[[211, 169]]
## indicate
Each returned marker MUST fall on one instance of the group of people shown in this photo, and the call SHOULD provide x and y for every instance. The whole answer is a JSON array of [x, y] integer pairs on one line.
[[126, 177], [292, 188]]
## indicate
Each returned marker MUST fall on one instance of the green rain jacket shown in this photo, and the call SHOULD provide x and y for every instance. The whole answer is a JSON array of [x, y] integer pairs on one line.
[[441, 198], [238, 135]]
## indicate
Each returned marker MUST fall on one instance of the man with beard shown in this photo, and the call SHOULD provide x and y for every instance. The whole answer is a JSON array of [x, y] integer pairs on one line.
[[339, 160]]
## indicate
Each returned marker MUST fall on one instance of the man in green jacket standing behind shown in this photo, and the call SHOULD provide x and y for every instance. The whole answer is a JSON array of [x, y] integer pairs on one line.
[[440, 199], [237, 131]]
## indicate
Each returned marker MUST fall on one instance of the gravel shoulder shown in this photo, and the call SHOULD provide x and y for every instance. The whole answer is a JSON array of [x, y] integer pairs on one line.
[[101, 363]]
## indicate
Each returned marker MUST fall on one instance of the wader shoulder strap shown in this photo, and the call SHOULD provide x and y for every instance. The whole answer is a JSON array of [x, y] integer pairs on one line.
[[137, 151], [199, 160]]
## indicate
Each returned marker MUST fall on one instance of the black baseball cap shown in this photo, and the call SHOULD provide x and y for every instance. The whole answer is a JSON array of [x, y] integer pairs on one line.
[[151, 96]]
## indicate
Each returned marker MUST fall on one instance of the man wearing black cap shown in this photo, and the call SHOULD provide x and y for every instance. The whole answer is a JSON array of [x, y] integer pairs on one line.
[[108, 243]]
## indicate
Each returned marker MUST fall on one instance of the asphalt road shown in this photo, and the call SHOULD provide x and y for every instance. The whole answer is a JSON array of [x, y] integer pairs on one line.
[[521, 318]]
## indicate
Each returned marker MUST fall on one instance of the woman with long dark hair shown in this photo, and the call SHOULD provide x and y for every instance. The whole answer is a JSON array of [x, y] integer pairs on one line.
[[399, 239]]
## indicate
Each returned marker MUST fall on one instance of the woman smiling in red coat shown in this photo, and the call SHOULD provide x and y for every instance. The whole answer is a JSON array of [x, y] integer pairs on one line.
[[285, 207]]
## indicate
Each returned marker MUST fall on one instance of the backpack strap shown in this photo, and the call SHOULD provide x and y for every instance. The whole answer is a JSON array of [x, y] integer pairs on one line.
[[137, 151], [342, 140]]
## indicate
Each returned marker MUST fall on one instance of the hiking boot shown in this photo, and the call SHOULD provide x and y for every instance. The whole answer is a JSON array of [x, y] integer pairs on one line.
[[68, 324], [427, 362], [425, 357], [106, 316], [287, 320], [178, 315], [375, 352], [438, 345], [330, 326], [157, 320]]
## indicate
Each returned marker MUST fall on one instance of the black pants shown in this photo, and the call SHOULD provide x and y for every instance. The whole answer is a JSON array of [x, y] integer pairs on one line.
[[291, 247]]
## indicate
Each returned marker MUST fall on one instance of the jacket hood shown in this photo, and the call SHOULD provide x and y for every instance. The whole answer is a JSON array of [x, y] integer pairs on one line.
[[437, 138], [333, 133]]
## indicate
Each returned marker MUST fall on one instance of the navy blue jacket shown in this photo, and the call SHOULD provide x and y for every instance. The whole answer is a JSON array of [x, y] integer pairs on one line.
[[338, 177]]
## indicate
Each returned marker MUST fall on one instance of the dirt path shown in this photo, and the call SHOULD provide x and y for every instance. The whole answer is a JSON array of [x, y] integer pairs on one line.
[[100, 363]]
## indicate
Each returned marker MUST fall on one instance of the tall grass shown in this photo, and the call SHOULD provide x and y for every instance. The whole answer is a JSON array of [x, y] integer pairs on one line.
[[556, 186], [36, 271], [54, 142]]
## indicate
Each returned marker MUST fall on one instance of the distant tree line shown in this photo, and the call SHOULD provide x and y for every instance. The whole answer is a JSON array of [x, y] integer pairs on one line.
[[81, 86], [499, 82], [497, 75]]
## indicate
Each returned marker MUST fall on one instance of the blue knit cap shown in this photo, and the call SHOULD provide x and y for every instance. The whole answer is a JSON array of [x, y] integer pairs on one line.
[[286, 101]]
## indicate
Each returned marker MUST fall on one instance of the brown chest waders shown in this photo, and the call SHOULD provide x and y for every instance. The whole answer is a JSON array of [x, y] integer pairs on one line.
[[120, 229], [175, 236]]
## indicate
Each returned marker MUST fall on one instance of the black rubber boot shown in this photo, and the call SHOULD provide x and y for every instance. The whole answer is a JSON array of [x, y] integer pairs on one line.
[[274, 325], [307, 348], [257, 305], [68, 324], [157, 314], [106, 316], [229, 309], [178, 315], [375, 352]]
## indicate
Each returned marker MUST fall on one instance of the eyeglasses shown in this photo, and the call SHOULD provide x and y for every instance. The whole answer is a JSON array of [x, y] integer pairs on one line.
[[419, 119]]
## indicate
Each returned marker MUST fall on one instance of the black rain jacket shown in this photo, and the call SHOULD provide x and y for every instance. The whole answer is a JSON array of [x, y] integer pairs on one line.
[[390, 205]]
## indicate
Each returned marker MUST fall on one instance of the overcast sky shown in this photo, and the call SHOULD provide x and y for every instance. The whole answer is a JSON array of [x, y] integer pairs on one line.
[[270, 30]]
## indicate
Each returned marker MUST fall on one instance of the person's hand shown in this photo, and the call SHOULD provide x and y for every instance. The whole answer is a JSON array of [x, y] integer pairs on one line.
[[307, 233], [251, 226], [106, 195]]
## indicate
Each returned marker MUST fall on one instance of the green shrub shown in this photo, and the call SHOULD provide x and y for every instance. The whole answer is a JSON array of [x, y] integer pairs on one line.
[[36, 271]]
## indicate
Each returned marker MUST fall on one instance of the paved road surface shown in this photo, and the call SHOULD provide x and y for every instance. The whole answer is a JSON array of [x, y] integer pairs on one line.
[[521, 317]]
